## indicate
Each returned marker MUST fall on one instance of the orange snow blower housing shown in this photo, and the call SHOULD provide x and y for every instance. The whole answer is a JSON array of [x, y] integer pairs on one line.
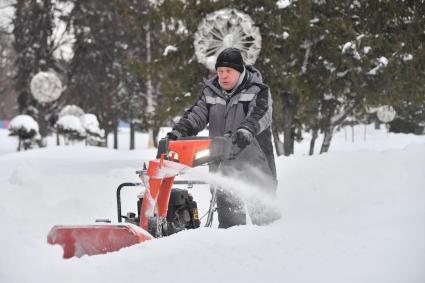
[[173, 158]]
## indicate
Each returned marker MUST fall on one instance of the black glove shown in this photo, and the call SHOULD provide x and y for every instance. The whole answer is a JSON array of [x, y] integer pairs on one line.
[[173, 135], [242, 138]]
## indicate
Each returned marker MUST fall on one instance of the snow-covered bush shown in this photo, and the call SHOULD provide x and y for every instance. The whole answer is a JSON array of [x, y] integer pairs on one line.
[[70, 127], [26, 129], [73, 110], [74, 125], [94, 135]]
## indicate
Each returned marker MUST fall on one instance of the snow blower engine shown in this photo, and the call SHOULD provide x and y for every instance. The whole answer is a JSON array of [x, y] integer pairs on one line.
[[161, 209], [182, 211]]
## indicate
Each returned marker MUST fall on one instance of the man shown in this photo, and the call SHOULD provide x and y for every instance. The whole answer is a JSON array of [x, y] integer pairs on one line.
[[236, 101]]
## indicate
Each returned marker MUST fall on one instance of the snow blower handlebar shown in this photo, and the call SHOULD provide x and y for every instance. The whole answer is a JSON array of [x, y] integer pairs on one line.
[[195, 151]]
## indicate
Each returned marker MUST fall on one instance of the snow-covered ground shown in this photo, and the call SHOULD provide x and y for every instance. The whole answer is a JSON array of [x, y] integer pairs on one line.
[[355, 214]]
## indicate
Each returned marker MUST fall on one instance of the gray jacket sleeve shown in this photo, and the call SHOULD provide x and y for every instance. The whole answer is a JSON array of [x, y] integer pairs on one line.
[[195, 119], [259, 116]]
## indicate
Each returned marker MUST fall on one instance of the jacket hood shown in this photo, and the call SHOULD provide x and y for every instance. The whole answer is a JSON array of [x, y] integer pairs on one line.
[[256, 76]]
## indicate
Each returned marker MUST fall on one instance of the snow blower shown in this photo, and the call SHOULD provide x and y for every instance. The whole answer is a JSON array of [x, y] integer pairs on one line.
[[161, 209]]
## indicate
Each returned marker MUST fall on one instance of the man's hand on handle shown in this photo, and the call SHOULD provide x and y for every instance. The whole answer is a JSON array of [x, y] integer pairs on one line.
[[242, 138], [173, 135]]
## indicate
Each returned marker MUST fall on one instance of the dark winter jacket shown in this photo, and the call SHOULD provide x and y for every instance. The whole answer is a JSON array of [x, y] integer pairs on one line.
[[249, 107]]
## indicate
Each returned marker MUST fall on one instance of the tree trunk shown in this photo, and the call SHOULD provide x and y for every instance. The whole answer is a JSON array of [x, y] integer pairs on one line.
[[155, 132], [42, 124], [288, 140], [332, 120], [327, 140], [150, 107], [116, 136], [289, 109], [19, 143], [328, 110], [106, 136], [132, 139], [278, 144], [314, 135]]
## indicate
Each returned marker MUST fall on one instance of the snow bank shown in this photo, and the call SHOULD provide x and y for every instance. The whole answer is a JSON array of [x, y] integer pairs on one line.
[[352, 216]]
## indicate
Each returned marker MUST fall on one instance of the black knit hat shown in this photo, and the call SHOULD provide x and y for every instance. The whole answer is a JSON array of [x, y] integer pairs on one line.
[[232, 58]]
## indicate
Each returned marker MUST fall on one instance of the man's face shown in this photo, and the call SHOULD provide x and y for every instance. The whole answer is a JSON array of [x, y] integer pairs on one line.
[[227, 77]]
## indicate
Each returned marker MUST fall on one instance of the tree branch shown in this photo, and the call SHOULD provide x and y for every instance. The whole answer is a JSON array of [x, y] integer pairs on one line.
[[338, 119]]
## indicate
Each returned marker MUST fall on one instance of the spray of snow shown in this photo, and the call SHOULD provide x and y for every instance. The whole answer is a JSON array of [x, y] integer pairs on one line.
[[259, 197]]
